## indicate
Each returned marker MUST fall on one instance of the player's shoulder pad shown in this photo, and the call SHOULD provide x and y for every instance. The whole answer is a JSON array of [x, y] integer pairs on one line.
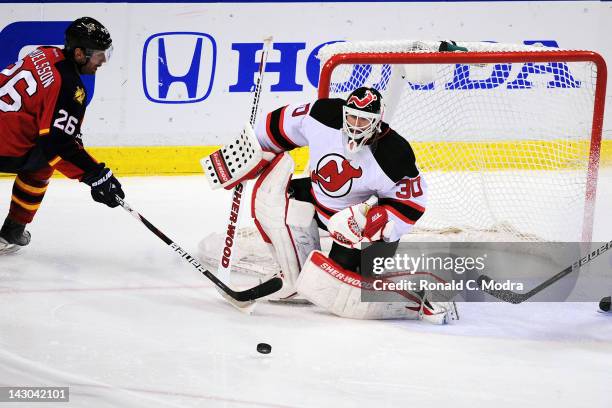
[[394, 155], [328, 111], [72, 92]]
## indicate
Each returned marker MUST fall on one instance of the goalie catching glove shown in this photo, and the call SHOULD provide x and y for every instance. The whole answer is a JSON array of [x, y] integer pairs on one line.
[[364, 222], [242, 159]]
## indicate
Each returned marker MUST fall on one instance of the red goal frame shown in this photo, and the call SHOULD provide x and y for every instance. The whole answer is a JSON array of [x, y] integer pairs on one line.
[[500, 57]]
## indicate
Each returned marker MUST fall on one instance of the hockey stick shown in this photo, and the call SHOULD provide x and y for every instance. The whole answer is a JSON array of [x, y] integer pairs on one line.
[[516, 298], [242, 299], [233, 216]]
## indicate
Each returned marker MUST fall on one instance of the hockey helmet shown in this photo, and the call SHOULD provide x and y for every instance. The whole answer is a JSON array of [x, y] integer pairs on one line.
[[90, 35], [362, 117]]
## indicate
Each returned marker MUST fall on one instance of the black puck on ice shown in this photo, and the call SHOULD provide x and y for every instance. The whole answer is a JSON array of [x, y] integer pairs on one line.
[[264, 348], [604, 303]]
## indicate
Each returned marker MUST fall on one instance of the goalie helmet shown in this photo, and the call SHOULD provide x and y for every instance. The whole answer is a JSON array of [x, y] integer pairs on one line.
[[362, 117], [90, 35]]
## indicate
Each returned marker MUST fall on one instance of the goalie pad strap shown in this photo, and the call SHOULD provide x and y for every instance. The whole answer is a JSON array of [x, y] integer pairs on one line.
[[339, 291]]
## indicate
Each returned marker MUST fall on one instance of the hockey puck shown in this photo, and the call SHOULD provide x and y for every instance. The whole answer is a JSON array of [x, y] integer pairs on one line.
[[604, 303], [264, 348]]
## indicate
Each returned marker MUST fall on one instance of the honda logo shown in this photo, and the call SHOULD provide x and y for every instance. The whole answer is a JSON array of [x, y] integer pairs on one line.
[[178, 67]]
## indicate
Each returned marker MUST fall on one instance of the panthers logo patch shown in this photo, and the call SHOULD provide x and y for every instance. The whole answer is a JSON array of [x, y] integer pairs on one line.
[[79, 95]]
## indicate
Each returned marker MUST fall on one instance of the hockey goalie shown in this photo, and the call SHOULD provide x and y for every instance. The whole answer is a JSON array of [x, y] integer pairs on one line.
[[364, 186]]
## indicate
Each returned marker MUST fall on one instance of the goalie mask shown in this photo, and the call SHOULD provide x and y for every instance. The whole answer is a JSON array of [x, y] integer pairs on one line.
[[362, 117]]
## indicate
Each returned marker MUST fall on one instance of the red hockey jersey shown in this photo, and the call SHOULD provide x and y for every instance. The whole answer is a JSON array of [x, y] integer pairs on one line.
[[42, 102]]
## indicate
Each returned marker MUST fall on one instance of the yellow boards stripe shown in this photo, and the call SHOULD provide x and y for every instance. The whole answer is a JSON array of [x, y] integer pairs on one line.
[[501, 155], [165, 160], [431, 156]]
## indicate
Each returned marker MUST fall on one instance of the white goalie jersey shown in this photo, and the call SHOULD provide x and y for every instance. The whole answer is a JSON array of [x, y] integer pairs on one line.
[[387, 169]]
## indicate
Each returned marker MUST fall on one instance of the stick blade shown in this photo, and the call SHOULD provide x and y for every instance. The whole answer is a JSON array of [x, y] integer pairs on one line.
[[245, 307], [485, 283], [263, 289]]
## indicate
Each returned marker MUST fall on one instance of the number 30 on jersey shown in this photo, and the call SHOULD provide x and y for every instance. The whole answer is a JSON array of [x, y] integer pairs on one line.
[[409, 188]]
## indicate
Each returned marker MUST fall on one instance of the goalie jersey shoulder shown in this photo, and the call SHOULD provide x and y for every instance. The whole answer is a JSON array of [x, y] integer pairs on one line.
[[328, 112], [394, 155]]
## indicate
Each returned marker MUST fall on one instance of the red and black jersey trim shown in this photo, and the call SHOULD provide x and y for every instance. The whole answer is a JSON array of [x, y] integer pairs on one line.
[[320, 208], [276, 131], [407, 211]]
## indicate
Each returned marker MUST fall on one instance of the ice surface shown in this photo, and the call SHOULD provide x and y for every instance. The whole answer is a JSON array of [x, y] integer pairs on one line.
[[100, 304]]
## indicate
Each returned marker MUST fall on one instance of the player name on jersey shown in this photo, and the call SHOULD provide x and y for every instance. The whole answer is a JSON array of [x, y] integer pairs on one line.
[[43, 67]]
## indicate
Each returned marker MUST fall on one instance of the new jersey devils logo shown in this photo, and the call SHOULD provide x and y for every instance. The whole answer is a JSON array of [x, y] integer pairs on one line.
[[368, 98], [334, 175]]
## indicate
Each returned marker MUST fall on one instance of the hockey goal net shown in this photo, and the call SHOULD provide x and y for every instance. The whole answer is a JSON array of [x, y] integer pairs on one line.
[[508, 136]]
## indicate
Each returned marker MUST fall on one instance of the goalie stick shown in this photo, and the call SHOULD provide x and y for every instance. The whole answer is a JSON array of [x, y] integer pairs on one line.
[[229, 243], [242, 299], [516, 298]]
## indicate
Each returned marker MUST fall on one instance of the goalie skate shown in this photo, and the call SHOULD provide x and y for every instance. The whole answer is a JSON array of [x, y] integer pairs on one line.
[[438, 312]]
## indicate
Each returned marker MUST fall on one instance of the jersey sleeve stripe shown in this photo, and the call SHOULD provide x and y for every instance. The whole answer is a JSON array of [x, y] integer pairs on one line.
[[322, 213], [328, 212], [407, 202], [276, 131], [55, 161], [399, 215], [403, 212], [281, 123], [43, 132], [269, 132]]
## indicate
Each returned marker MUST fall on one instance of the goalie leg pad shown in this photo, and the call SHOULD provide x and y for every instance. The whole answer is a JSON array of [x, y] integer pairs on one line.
[[242, 159], [287, 225], [304, 229], [338, 291]]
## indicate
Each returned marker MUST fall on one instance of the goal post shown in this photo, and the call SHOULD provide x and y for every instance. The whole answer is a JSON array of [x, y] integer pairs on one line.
[[507, 135]]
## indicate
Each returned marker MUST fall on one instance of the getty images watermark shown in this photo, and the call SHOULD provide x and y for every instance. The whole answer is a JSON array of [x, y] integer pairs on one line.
[[471, 271], [413, 275]]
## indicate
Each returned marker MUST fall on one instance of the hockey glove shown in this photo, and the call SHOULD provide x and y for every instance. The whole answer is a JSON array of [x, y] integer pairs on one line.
[[104, 186], [364, 222]]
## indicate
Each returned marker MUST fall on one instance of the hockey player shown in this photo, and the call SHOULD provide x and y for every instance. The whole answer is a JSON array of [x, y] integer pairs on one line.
[[364, 186], [42, 104]]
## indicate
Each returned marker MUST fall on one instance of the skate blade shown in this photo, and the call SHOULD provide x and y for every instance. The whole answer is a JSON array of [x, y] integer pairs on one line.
[[6, 249]]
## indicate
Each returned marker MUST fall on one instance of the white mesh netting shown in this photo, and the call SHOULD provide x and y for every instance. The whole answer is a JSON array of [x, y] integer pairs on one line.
[[504, 146]]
